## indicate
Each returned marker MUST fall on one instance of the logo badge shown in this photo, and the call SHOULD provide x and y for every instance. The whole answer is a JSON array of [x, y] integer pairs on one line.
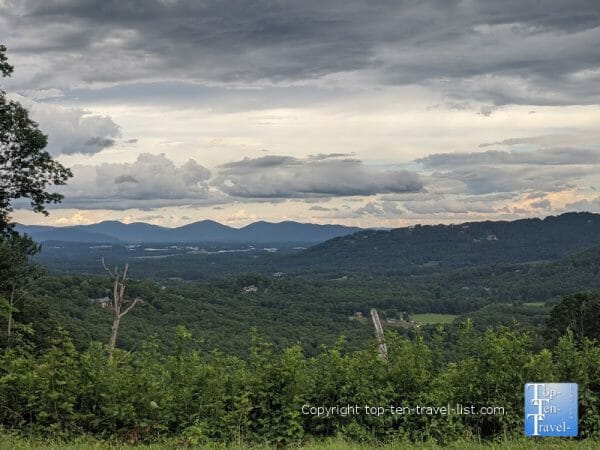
[[551, 409]]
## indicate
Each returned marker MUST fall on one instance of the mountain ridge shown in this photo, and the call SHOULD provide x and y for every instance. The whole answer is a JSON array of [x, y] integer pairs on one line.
[[111, 231], [426, 247]]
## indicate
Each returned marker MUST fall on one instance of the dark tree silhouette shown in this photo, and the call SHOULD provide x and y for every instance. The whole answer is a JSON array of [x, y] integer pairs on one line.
[[579, 312], [26, 169]]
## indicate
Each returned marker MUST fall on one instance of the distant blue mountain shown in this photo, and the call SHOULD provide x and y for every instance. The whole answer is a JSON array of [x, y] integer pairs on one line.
[[203, 231], [127, 232], [301, 232], [66, 234], [209, 230]]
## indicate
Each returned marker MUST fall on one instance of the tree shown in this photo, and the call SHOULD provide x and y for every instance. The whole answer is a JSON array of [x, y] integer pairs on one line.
[[26, 169], [118, 302], [16, 272], [578, 312]]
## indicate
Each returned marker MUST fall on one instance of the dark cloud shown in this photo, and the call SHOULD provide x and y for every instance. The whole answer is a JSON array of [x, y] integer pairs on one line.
[[321, 156], [262, 162], [488, 51], [522, 140], [318, 208], [125, 179], [487, 179], [550, 156], [276, 177], [98, 143], [574, 139]]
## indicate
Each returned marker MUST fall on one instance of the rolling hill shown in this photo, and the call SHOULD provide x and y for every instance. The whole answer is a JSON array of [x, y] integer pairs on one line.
[[203, 231], [426, 248]]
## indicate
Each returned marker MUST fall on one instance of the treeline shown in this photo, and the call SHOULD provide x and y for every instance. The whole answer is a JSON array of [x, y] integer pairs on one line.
[[197, 397], [287, 310], [432, 289], [294, 309]]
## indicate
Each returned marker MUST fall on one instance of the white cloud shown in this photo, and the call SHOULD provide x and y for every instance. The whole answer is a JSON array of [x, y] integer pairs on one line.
[[150, 182], [71, 130]]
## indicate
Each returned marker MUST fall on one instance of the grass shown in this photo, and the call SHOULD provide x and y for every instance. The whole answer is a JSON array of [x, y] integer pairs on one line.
[[15, 443], [428, 319], [535, 304]]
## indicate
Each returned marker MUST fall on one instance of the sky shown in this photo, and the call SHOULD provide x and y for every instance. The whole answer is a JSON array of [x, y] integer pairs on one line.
[[373, 114]]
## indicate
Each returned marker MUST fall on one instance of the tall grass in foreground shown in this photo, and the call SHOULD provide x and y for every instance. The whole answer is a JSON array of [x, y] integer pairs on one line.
[[8, 442]]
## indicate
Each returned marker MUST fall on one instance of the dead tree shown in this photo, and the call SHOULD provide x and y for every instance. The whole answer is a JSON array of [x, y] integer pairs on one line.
[[118, 303], [381, 345]]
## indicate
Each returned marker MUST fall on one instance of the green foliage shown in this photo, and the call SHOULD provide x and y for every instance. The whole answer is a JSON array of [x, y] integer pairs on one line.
[[426, 249], [5, 68], [578, 312], [433, 318], [198, 398], [504, 290], [17, 272], [26, 169]]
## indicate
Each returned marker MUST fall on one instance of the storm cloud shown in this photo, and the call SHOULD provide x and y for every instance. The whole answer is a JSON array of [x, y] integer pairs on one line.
[[288, 177], [375, 112], [543, 53], [549, 156]]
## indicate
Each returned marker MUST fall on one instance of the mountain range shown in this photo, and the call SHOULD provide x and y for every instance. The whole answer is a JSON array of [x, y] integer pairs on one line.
[[434, 247], [203, 231]]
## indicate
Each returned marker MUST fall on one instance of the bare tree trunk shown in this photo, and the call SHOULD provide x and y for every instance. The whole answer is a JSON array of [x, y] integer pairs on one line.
[[118, 300], [381, 346], [113, 335]]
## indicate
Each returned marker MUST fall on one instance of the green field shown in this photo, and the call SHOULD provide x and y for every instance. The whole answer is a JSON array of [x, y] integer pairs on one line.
[[14, 443], [427, 319]]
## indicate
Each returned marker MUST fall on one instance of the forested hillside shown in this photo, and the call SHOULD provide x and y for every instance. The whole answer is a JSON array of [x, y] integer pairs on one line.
[[447, 246], [415, 251], [312, 311]]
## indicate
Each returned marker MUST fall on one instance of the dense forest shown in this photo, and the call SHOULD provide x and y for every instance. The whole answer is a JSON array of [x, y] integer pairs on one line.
[[236, 358], [290, 308]]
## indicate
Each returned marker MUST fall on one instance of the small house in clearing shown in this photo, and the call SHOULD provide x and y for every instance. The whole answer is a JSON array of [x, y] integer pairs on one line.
[[104, 301], [249, 289]]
